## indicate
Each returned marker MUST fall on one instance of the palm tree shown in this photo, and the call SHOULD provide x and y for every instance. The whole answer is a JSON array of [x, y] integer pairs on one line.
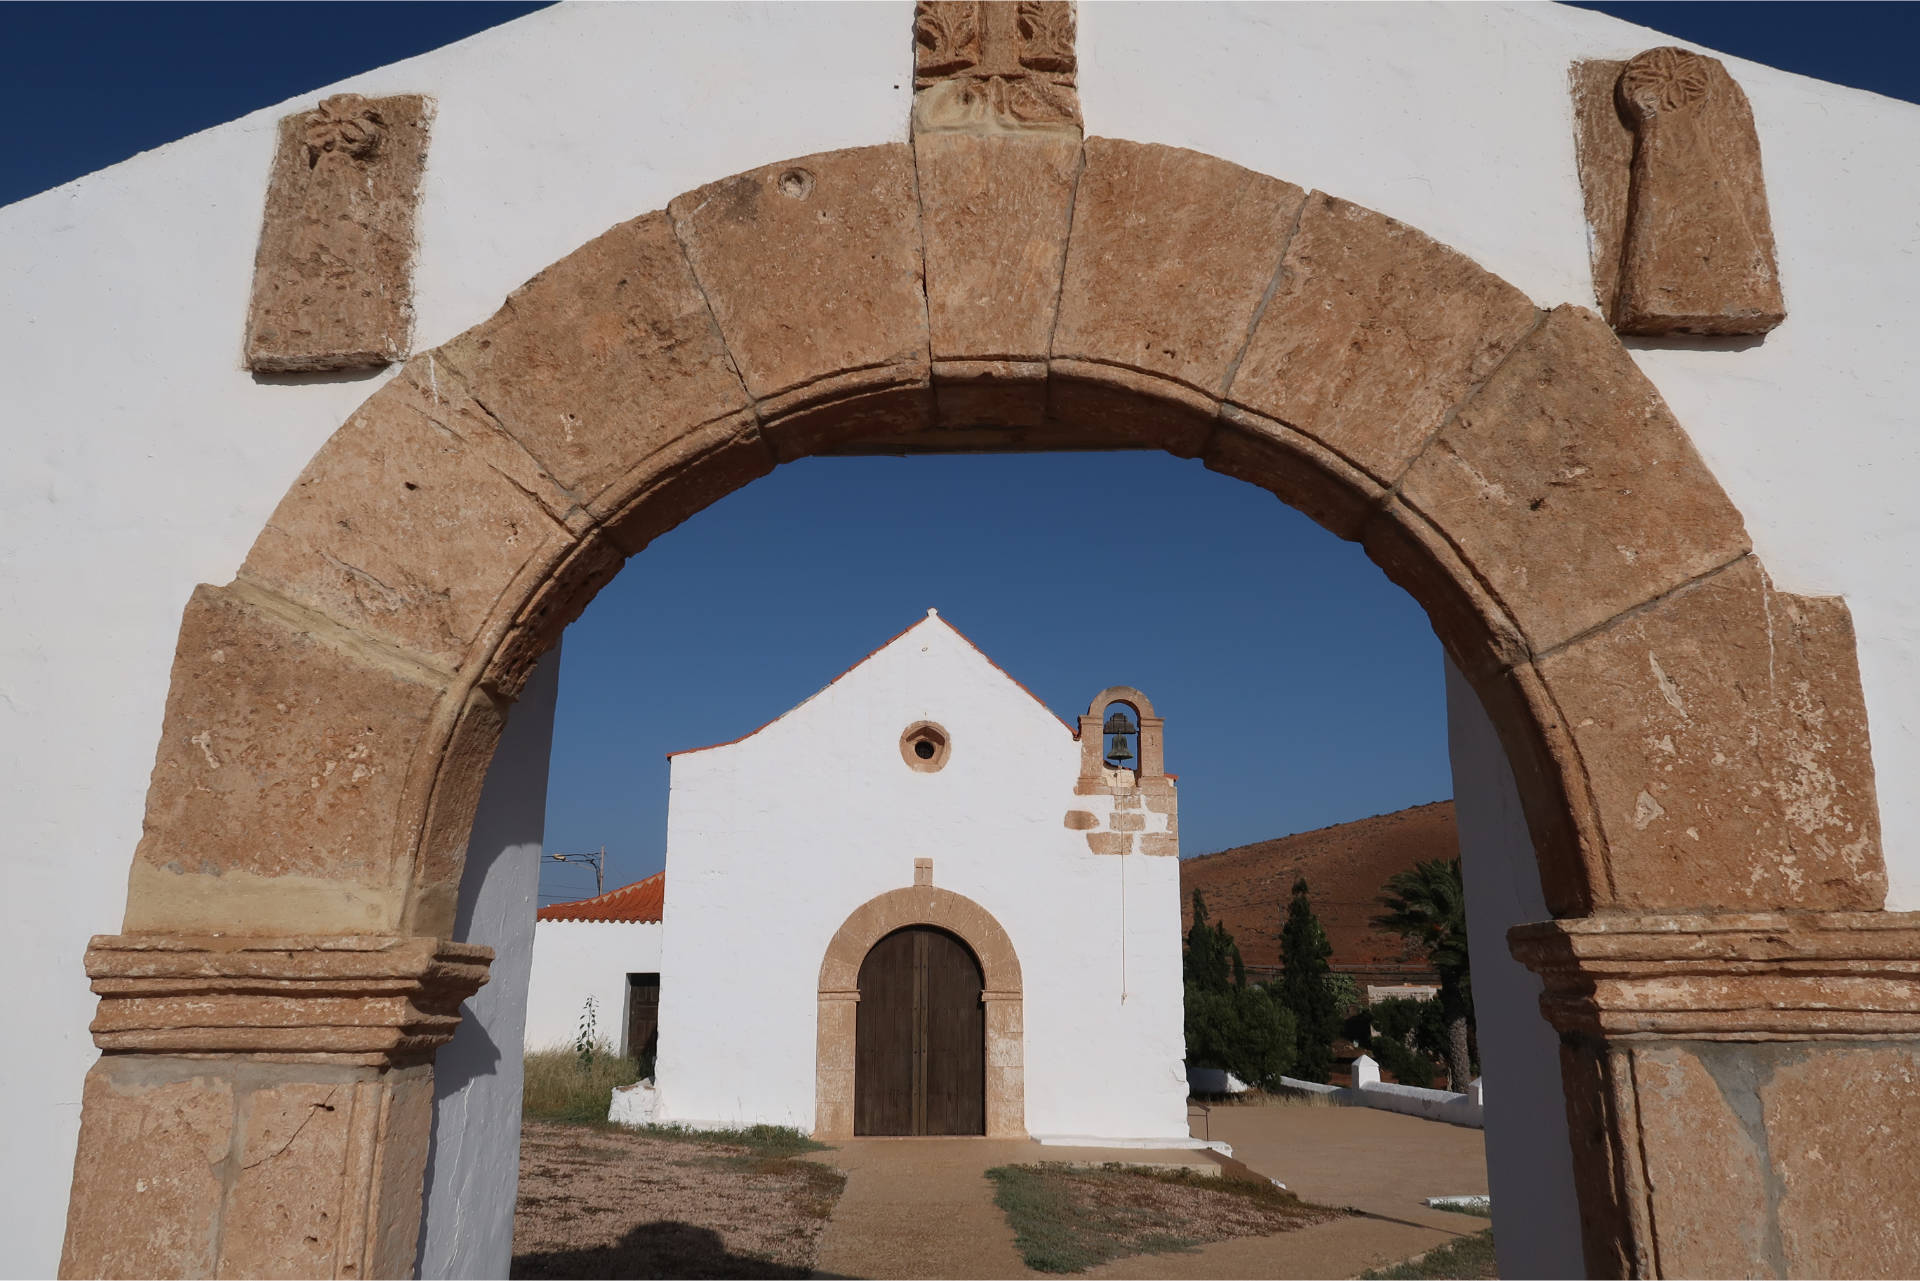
[[1426, 905]]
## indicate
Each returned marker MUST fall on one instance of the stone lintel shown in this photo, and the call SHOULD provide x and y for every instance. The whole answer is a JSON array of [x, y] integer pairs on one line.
[[1762, 976], [377, 1000]]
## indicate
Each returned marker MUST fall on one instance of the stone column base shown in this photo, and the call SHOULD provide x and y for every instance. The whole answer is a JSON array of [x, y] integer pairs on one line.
[[262, 1107], [1743, 1091]]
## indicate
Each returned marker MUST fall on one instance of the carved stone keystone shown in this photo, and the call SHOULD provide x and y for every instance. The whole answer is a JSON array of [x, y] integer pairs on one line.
[[1670, 168], [992, 66], [332, 281]]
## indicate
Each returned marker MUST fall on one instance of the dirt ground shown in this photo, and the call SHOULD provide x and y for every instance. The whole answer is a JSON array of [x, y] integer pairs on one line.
[[606, 1203]]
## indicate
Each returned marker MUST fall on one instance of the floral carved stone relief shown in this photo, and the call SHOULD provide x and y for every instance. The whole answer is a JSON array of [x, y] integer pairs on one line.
[[332, 283], [994, 65], [1670, 167]]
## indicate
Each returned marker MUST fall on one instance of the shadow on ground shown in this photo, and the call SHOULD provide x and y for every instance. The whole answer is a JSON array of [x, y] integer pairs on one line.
[[659, 1249]]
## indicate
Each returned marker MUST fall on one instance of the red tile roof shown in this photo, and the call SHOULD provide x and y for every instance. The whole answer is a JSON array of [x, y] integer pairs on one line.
[[641, 901]]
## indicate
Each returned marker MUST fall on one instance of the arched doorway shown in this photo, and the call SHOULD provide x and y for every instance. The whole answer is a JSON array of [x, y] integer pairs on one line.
[[1689, 744], [920, 1037]]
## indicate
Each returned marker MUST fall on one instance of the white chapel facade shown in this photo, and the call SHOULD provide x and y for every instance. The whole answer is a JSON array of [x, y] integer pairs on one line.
[[868, 931]]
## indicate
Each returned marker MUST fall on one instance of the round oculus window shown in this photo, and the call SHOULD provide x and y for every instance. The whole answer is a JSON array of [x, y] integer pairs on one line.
[[924, 747]]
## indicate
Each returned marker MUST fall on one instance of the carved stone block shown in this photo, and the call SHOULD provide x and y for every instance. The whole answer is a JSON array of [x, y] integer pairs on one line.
[[991, 66], [332, 282], [1676, 203]]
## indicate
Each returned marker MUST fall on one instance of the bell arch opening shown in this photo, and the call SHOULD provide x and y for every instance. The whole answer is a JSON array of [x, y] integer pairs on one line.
[[333, 711]]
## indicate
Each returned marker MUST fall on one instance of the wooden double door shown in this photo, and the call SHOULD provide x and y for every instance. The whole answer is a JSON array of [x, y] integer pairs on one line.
[[920, 1037]]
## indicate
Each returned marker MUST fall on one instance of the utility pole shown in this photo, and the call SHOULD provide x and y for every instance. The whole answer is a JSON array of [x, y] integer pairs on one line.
[[596, 857]]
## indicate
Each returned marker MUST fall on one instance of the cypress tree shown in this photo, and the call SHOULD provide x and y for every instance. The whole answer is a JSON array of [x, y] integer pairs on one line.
[[1303, 987]]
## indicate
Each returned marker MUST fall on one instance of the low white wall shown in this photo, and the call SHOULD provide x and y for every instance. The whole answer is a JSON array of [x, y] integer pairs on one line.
[[574, 960], [473, 1167]]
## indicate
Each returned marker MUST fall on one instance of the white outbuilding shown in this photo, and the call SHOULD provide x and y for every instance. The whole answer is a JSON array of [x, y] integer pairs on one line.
[[596, 971], [866, 933]]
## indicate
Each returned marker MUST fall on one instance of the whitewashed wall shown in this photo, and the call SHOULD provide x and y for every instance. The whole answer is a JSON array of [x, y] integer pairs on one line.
[[574, 960], [773, 841], [1529, 1158], [473, 1167], [142, 459]]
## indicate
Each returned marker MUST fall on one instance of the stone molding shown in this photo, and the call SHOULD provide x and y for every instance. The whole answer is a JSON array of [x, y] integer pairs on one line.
[[839, 994], [333, 277], [369, 1000], [1682, 240], [1762, 976]]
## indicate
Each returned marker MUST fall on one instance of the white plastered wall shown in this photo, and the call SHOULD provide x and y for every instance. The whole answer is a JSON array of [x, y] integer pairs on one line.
[[577, 960], [473, 1167], [142, 459], [774, 840]]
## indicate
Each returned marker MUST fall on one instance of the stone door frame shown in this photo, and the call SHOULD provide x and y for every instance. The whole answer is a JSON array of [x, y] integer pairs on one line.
[[1002, 992], [1690, 745]]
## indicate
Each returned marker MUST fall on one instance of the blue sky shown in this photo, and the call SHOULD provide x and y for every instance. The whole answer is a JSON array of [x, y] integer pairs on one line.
[[1301, 689]]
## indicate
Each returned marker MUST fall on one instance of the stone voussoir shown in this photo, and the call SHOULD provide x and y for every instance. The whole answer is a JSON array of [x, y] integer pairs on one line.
[[1724, 734], [995, 212], [1373, 333], [604, 360], [285, 751], [813, 269], [410, 524], [1568, 487], [1170, 256]]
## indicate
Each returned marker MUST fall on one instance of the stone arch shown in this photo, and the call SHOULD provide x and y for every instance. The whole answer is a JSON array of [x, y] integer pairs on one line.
[[1690, 745], [840, 992]]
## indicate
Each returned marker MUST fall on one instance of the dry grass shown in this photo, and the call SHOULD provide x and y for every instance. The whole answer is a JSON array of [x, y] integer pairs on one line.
[[1067, 1219], [558, 1087], [1464, 1259], [611, 1202], [1282, 1098]]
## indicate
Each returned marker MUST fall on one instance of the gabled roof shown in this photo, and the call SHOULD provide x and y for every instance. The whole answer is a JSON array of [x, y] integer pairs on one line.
[[932, 618], [640, 902]]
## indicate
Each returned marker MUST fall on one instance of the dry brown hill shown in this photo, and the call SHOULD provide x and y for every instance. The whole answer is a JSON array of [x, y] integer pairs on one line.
[[1247, 887]]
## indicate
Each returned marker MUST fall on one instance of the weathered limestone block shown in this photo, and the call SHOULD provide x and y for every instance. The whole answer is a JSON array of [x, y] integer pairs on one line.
[[1725, 739], [992, 66], [1682, 240], [995, 213], [278, 793], [402, 529], [156, 1143], [243, 1167], [604, 360], [1843, 1125], [1373, 333], [332, 281], [1714, 1227], [329, 1179], [813, 271], [1569, 488], [1170, 255], [439, 859]]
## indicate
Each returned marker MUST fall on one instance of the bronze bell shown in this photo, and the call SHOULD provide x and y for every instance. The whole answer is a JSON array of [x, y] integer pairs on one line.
[[1119, 751], [1119, 724]]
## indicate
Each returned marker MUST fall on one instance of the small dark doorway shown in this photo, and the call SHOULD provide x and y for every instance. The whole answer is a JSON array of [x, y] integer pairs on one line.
[[919, 1063], [643, 1019]]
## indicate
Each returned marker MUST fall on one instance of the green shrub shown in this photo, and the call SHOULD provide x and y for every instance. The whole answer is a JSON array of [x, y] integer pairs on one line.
[[564, 1085], [1243, 1030]]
